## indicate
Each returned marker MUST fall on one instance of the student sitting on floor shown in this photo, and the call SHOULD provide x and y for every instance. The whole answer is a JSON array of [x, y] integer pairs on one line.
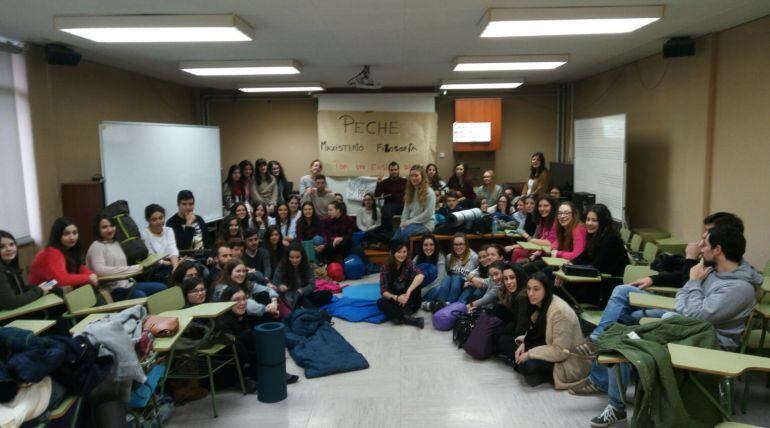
[[400, 281], [187, 268], [461, 261], [285, 223], [417, 217], [256, 259], [263, 301], [428, 253], [14, 292], [337, 230], [160, 239], [476, 284], [721, 290], [273, 243], [62, 259], [106, 257], [368, 217], [511, 309], [309, 228], [294, 281], [553, 329], [545, 234], [491, 286]]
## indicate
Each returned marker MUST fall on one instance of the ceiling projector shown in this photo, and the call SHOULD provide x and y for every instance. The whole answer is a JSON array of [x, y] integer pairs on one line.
[[363, 80]]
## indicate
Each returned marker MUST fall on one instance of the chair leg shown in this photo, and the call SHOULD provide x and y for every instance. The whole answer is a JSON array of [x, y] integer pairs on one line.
[[166, 372], [745, 397], [212, 386], [238, 369]]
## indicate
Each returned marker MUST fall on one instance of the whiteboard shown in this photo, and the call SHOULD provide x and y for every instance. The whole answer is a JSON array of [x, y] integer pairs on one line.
[[600, 161], [146, 163]]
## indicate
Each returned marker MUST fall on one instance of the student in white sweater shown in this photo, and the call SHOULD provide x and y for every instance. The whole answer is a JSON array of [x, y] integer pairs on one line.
[[419, 206], [369, 216], [106, 257], [158, 238]]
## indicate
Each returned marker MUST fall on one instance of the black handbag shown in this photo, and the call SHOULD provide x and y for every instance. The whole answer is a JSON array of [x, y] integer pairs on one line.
[[463, 327], [587, 271]]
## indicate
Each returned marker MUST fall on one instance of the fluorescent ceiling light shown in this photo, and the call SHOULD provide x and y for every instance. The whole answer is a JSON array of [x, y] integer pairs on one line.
[[240, 68], [449, 85], [281, 87], [509, 63], [556, 21], [156, 28]]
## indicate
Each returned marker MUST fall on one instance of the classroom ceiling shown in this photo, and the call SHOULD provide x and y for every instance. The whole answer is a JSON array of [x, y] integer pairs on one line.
[[409, 43]]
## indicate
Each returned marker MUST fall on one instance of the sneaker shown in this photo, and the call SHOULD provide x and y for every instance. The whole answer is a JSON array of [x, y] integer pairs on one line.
[[425, 306], [585, 387], [587, 349], [609, 416], [291, 378], [438, 306]]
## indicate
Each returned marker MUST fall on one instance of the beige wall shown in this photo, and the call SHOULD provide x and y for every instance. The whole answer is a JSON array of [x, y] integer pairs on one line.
[[67, 103], [698, 133], [286, 130], [741, 153]]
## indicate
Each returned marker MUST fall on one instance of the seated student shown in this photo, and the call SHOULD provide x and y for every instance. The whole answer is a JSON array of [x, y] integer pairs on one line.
[[262, 301], [391, 190], [570, 232], [508, 191], [307, 182], [286, 224], [337, 231], [256, 259], [160, 239], [189, 228], [368, 217], [338, 198], [476, 284], [235, 323], [265, 188], [462, 184], [545, 234], [461, 261], [488, 188], [493, 281], [721, 290], [417, 216], [247, 181], [283, 187], [502, 209], [232, 189], [309, 228], [106, 257], [241, 211], [520, 215], [400, 281], [428, 253], [259, 219], [237, 246], [273, 243], [319, 196], [294, 207], [62, 259], [482, 203], [294, 281], [450, 206], [14, 292], [187, 268], [511, 309], [530, 226], [434, 179], [555, 193], [553, 328], [229, 227], [222, 254]]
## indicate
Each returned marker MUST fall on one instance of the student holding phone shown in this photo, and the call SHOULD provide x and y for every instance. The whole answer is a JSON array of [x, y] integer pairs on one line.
[[14, 291]]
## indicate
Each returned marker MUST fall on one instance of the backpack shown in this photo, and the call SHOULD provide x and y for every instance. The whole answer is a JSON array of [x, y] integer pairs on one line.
[[667, 262], [480, 344], [483, 225], [444, 319], [127, 233], [463, 327]]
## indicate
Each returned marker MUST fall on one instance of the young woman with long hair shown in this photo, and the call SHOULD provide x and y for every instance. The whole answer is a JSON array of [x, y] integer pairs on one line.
[[62, 259], [434, 179], [14, 291], [539, 177], [545, 233], [419, 206], [283, 188], [337, 231], [259, 219], [308, 181], [295, 281], [400, 280], [241, 210], [460, 262], [368, 217], [430, 257], [229, 227], [570, 232], [265, 187], [273, 243], [285, 223], [511, 309], [488, 189], [294, 207], [247, 180], [262, 300], [462, 184], [232, 189]]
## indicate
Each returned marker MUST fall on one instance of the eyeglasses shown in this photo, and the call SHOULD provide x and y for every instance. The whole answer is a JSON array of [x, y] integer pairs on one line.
[[197, 291]]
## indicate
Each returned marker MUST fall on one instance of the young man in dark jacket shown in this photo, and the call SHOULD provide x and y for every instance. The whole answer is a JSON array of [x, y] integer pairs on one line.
[[189, 229]]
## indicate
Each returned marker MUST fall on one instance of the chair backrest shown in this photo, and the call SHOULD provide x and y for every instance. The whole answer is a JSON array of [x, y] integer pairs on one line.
[[169, 299], [766, 272], [632, 273], [80, 298], [650, 252], [636, 243], [309, 250], [625, 234]]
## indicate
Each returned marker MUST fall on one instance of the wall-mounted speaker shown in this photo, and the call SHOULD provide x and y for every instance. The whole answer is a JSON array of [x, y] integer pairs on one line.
[[678, 46], [61, 55]]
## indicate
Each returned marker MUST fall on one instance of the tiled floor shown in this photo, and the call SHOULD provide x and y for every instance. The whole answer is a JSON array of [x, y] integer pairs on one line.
[[416, 379]]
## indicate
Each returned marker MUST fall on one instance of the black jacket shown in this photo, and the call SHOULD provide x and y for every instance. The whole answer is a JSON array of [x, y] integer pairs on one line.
[[610, 257], [13, 291], [184, 234]]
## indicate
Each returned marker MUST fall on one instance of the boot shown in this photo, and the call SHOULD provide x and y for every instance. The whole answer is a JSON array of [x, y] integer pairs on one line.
[[418, 322]]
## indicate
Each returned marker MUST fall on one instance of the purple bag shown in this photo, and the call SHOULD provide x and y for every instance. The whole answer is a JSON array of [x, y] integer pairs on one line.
[[444, 319], [479, 344]]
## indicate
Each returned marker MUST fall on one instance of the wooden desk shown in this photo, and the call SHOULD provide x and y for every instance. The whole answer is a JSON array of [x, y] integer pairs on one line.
[[555, 261], [151, 260], [647, 300], [80, 326], [112, 307], [716, 362], [165, 344], [572, 278], [671, 245], [35, 326], [534, 247], [48, 301]]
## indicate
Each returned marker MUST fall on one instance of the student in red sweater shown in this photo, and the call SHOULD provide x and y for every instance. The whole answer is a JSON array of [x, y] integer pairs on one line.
[[62, 259]]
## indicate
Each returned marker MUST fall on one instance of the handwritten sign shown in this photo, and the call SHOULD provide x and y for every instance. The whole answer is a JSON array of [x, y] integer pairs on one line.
[[472, 132], [359, 187], [357, 143]]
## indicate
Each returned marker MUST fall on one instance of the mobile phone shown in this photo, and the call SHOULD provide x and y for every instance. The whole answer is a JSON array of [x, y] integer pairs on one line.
[[50, 284]]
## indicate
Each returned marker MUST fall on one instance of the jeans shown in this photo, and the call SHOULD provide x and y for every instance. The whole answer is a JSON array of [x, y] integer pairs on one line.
[[411, 230], [140, 289], [606, 379], [450, 288], [469, 292], [619, 310]]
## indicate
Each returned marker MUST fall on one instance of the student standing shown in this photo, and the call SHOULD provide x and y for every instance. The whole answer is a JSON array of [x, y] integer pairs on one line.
[[539, 176], [232, 189], [247, 181]]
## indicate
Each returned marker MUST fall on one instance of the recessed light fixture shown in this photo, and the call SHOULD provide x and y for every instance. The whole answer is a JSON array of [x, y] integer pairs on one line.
[[509, 63], [451, 85], [556, 21], [240, 68], [156, 28], [281, 87]]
